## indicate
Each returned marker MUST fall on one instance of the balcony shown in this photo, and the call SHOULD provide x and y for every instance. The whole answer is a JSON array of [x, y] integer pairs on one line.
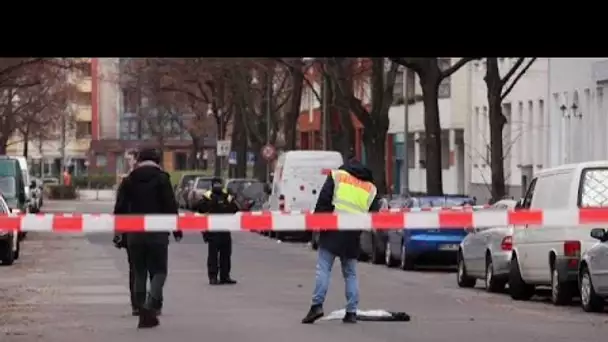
[[84, 113], [84, 84]]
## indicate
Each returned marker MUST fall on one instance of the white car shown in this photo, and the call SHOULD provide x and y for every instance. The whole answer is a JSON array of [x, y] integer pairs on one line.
[[10, 244], [485, 253], [593, 273], [550, 255]]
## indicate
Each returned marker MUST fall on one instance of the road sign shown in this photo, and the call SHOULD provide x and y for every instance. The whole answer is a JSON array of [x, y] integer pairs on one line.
[[232, 158], [250, 158], [223, 148], [268, 151]]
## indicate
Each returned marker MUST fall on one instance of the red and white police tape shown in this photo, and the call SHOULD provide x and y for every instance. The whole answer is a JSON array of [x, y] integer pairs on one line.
[[276, 221]]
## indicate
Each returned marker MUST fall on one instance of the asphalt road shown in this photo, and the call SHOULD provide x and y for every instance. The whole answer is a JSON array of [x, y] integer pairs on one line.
[[69, 287]]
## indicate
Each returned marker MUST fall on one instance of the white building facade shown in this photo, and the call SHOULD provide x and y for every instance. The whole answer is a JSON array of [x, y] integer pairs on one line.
[[452, 113], [578, 121], [526, 136]]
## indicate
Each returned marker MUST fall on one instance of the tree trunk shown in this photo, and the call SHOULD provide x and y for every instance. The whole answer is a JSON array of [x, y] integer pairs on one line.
[[217, 167], [3, 145], [374, 141], [194, 160], [432, 127], [291, 119], [497, 123], [239, 145], [259, 167], [25, 144]]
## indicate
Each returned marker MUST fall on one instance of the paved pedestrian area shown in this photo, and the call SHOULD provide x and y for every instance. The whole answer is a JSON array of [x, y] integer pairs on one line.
[[75, 288]]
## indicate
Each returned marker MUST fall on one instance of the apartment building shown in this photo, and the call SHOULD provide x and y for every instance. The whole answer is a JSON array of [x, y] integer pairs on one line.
[[525, 136], [119, 126], [453, 95], [45, 156], [578, 110]]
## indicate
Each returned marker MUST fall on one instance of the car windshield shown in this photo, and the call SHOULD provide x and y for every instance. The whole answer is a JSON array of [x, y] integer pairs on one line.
[[255, 191], [7, 187], [203, 184], [426, 202], [187, 178], [238, 186]]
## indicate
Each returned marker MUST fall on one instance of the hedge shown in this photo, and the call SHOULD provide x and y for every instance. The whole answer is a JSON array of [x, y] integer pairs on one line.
[[95, 181], [57, 191]]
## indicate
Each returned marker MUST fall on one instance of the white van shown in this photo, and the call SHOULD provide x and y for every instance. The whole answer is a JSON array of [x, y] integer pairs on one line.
[[298, 178], [550, 255]]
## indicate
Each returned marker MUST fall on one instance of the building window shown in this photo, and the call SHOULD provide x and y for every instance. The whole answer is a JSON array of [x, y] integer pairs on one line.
[[101, 160], [444, 86], [83, 98], [85, 68], [83, 129], [130, 100], [398, 98], [181, 161]]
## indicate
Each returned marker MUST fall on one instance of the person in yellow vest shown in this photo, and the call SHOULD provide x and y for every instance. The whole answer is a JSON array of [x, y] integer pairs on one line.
[[350, 189]]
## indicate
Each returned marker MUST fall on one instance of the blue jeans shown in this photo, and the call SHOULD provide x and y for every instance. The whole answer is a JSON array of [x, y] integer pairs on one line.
[[325, 262]]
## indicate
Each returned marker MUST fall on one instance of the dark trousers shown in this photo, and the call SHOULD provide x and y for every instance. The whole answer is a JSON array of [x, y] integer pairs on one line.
[[218, 259], [148, 259], [135, 301]]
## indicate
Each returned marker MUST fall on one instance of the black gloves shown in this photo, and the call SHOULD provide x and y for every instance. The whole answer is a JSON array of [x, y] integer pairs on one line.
[[178, 235]]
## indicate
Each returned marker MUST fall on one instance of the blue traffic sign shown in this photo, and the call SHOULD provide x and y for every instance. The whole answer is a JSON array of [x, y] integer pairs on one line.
[[232, 158]]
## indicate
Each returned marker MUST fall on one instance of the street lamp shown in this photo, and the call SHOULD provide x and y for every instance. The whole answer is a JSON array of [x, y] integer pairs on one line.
[[575, 112]]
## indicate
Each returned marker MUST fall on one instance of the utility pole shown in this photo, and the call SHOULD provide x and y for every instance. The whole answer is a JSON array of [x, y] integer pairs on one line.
[[268, 109], [63, 146], [405, 170], [325, 126]]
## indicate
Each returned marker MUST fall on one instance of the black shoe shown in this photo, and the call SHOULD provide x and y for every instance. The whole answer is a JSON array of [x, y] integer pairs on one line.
[[350, 317], [213, 281], [315, 312], [147, 319], [227, 281]]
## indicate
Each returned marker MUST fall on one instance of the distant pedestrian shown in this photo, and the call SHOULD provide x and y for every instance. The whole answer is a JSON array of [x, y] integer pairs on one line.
[[147, 190], [218, 201], [349, 190]]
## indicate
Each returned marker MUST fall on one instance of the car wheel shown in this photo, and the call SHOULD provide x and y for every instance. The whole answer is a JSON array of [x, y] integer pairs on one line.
[[518, 289], [8, 255], [463, 279], [561, 292], [388, 256], [493, 284], [405, 262], [377, 255], [590, 301]]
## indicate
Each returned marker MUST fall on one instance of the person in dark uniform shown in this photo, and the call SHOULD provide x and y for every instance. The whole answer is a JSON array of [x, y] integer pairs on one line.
[[147, 190], [218, 201]]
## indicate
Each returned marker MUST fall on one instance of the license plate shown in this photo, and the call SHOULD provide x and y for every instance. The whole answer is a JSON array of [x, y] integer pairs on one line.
[[448, 247]]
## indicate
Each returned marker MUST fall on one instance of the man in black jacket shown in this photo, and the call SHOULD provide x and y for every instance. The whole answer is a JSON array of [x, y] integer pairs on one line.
[[218, 201], [147, 190], [349, 189]]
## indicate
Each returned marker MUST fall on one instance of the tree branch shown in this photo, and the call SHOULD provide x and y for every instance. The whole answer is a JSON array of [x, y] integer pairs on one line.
[[516, 79], [449, 71], [512, 71]]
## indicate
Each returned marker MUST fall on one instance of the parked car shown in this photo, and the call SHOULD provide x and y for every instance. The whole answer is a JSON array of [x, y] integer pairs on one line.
[[406, 247], [184, 186], [549, 255], [195, 194], [593, 273], [10, 244], [485, 253]]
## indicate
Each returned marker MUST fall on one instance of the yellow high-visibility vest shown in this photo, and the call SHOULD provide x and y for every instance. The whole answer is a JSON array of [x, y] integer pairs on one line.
[[351, 194]]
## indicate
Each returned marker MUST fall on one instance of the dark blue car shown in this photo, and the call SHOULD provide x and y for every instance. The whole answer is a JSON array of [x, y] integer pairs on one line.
[[439, 246]]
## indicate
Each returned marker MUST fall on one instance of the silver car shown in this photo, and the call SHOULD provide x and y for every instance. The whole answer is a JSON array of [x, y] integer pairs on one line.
[[485, 253], [593, 273]]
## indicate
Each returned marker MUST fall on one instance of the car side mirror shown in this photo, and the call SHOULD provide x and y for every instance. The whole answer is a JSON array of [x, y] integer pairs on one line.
[[599, 234]]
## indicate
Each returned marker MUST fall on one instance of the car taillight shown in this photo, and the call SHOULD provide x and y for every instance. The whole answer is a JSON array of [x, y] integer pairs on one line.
[[507, 243], [572, 248], [281, 202]]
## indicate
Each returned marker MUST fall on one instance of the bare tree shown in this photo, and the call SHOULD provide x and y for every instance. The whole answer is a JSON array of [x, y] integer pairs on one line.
[[498, 88], [431, 75]]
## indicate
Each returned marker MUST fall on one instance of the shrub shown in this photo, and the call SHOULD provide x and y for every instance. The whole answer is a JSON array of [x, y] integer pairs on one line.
[[95, 181], [57, 191]]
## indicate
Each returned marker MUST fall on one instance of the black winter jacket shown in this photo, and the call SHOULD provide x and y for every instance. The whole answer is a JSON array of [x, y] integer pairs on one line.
[[343, 244], [146, 190]]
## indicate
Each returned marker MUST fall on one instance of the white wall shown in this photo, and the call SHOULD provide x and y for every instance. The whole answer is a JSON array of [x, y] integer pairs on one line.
[[580, 137], [109, 96], [526, 134]]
